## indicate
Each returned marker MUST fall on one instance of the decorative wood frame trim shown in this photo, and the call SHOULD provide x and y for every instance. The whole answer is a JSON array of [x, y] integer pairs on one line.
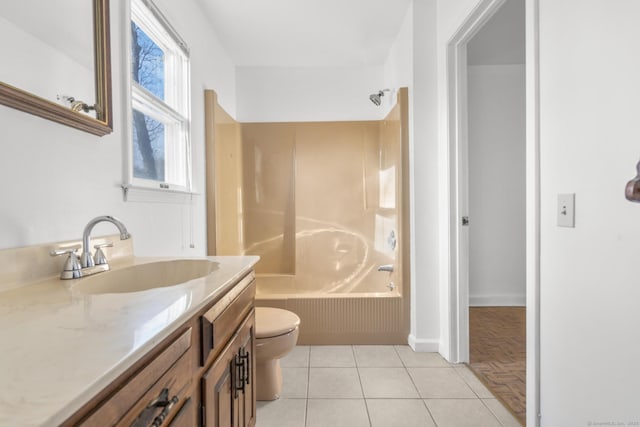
[[103, 124]]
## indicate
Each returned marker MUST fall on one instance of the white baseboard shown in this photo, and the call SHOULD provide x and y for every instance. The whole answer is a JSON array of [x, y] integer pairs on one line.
[[420, 345], [497, 300]]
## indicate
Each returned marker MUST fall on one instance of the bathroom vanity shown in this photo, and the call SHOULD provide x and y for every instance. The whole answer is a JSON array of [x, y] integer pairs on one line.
[[202, 374], [176, 355]]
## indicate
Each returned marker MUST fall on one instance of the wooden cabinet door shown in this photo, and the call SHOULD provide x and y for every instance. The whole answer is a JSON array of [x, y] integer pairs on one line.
[[228, 387], [246, 400], [218, 390]]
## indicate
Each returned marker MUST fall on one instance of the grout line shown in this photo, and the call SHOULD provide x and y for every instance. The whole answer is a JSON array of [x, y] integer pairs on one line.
[[450, 398], [466, 382], [306, 406], [406, 369], [413, 382], [356, 398], [366, 407], [306, 411], [491, 412], [359, 377], [424, 402], [395, 348]]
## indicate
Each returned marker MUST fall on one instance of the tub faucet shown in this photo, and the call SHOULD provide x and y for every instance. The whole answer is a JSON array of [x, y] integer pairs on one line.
[[386, 267], [87, 259]]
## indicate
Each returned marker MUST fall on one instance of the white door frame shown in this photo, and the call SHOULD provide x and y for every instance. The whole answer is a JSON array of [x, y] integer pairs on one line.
[[458, 193], [458, 179]]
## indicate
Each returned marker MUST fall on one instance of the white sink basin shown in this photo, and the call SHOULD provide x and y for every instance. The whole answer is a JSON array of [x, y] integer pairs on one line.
[[145, 276]]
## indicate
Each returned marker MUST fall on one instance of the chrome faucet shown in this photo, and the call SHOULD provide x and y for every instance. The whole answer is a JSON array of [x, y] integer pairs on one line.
[[386, 267], [75, 268], [87, 260]]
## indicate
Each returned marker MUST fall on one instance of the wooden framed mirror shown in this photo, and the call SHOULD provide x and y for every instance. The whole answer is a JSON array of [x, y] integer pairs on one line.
[[89, 115]]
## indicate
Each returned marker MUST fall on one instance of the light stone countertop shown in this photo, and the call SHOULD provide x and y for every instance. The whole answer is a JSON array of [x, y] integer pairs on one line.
[[60, 348]]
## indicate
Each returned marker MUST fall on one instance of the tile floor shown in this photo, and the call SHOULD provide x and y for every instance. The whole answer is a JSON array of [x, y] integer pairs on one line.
[[379, 386]]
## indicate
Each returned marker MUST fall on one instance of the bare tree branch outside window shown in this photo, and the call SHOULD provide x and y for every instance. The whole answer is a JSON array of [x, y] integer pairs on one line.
[[147, 68]]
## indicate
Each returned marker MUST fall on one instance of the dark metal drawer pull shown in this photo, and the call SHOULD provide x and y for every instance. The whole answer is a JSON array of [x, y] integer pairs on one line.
[[239, 374], [244, 355], [162, 401], [157, 422]]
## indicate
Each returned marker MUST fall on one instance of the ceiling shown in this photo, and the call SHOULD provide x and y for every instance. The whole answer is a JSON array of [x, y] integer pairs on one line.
[[307, 33], [501, 41]]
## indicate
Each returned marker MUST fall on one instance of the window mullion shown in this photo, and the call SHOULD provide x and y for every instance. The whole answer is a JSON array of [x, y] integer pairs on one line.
[[143, 97]]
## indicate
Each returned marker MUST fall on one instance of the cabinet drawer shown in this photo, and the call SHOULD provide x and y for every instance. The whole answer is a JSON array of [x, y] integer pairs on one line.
[[172, 366], [164, 399], [187, 415], [220, 321]]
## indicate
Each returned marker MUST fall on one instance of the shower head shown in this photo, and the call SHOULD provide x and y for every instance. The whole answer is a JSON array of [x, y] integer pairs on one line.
[[376, 98]]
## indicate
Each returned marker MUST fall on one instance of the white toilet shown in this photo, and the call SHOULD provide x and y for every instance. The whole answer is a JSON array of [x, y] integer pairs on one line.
[[276, 335]]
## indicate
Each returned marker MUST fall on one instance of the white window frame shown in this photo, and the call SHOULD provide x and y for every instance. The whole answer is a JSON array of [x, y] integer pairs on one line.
[[174, 112]]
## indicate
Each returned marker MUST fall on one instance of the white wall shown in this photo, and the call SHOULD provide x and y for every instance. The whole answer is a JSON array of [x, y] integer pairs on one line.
[[589, 145], [56, 178], [496, 118], [425, 324], [398, 68], [277, 94], [292, 94], [412, 63]]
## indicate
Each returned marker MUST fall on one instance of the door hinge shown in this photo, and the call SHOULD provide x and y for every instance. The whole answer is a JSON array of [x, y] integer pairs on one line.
[[465, 221]]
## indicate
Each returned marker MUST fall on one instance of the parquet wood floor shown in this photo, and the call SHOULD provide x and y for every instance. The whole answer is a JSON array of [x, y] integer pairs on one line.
[[497, 351]]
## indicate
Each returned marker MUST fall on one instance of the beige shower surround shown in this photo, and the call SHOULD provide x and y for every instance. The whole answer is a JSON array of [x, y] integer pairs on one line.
[[268, 190]]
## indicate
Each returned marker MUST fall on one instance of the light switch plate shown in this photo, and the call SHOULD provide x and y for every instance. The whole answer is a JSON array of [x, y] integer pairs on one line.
[[566, 210]]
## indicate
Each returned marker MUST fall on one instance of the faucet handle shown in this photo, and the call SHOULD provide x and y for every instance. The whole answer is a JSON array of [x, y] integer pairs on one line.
[[99, 257], [72, 269]]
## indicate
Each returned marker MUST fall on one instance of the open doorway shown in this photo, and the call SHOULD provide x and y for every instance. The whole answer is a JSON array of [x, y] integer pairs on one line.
[[489, 205], [497, 205]]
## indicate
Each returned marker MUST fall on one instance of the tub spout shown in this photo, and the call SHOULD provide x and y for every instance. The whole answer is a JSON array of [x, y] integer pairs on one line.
[[386, 267]]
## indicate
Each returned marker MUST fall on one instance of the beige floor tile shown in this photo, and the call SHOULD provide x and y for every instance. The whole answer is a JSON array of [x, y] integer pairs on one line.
[[411, 359], [281, 413], [295, 382], [332, 383], [502, 414], [440, 383], [298, 358], [376, 356], [473, 382], [337, 413], [332, 356], [399, 413], [461, 413], [387, 383]]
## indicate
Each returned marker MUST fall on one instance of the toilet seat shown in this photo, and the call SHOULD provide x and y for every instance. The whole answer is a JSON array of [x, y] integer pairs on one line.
[[273, 322]]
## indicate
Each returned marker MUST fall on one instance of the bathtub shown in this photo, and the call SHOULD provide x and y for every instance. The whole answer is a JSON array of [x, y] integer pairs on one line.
[[376, 317]]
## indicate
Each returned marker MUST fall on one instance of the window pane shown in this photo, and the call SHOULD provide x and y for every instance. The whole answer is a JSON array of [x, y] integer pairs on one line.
[[147, 62], [148, 147]]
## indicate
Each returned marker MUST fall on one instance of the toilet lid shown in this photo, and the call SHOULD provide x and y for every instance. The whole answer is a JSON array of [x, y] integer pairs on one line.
[[272, 322]]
